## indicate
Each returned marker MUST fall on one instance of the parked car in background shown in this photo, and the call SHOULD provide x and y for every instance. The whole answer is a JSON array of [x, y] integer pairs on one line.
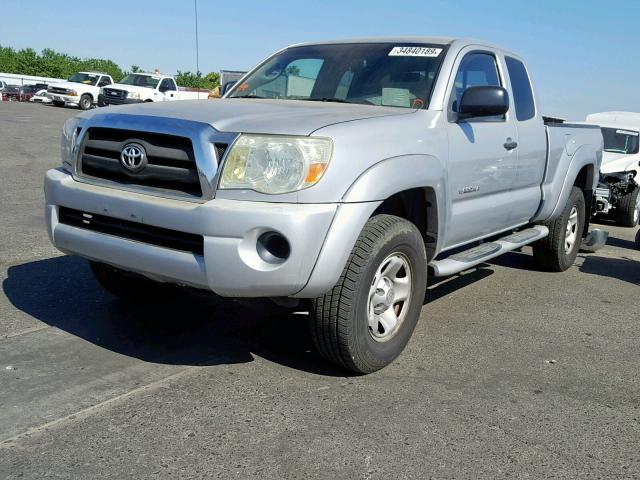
[[40, 96], [146, 87], [618, 192], [26, 92], [80, 90], [11, 93], [369, 163]]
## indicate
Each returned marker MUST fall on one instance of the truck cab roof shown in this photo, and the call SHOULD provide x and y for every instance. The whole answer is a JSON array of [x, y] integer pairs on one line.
[[626, 120], [452, 42]]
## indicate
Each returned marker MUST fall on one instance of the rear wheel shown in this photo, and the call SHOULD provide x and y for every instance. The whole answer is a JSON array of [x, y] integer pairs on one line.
[[628, 209], [58, 103], [85, 102], [128, 286], [366, 320], [559, 249]]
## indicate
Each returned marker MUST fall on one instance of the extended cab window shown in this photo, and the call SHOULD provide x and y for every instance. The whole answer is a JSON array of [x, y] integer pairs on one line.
[[475, 70], [521, 86], [369, 74]]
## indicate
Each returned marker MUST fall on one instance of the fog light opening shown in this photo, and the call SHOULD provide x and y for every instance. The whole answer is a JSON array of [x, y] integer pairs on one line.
[[273, 248]]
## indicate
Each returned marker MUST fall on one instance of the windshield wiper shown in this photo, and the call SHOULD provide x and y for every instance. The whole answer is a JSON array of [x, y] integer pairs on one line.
[[248, 96], [333, 100]]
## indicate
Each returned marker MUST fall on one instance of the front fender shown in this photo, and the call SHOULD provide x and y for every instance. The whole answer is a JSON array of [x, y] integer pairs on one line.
[[366, 193], [397, 174]]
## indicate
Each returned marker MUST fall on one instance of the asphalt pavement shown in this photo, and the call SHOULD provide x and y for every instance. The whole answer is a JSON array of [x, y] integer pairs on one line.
[[512, 372]]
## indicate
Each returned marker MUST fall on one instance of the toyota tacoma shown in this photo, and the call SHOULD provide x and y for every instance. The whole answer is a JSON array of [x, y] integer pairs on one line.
[[337, 174]]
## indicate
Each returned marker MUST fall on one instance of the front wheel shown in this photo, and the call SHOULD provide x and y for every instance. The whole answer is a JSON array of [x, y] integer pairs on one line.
[[628, 209], [85, 102], [366, 320], [559, 249]]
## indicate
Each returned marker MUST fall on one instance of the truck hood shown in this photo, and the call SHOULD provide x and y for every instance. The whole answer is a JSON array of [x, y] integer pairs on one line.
[[72, 85], [619, 162], [284, 117]]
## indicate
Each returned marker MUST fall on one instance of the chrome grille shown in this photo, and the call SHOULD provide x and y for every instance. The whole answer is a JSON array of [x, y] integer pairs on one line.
[[115, 93], [58, 90]]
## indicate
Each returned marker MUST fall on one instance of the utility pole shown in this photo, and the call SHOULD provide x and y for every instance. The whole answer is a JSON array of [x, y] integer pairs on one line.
[[195, 6]]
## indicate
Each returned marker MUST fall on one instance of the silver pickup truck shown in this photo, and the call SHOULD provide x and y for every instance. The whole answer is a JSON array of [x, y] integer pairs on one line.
[[337, 172]]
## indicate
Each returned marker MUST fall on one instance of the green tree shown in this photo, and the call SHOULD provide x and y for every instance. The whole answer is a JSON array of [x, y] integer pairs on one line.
[[196, 80], [50, 63]]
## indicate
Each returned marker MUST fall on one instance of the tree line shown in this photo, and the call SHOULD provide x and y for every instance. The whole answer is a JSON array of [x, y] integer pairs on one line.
[[50, 63]]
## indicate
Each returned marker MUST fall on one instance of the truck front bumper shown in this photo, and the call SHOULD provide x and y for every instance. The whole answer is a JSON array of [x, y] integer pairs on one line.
[[67, 99], [104, 101], [230, 263]]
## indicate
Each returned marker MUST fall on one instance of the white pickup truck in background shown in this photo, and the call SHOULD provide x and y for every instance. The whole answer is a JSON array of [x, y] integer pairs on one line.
[[146, 87], [618, 192], [80, 90]]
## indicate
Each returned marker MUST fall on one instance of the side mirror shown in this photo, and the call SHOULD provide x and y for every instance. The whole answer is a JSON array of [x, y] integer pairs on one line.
[[483, 101], [227, 86]]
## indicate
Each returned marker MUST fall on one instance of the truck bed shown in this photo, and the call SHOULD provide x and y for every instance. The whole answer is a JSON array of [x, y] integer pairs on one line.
[[566, 142]]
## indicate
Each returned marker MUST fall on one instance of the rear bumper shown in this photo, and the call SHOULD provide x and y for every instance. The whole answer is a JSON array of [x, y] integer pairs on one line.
[[230, 264]]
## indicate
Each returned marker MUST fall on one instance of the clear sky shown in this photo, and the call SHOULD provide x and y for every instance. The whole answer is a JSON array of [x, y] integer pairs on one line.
[[584, 55]]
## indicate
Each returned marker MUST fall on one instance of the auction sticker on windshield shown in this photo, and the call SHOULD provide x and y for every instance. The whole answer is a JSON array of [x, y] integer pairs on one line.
[[414, 52]]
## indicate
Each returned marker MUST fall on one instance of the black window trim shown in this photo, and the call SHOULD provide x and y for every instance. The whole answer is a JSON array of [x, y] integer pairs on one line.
[[452, 116]]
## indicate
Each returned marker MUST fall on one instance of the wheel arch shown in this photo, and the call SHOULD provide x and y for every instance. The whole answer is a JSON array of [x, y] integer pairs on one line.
[[399, 183], [401, 186], [581, 172]]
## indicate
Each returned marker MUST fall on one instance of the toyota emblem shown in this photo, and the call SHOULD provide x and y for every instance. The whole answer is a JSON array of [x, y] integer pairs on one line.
[[133, 157]]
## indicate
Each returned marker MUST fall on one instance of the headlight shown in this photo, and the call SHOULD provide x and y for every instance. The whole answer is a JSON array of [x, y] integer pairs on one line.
[[275, 164], [67, 144], [133, 95], [72, 93], [101, 91]]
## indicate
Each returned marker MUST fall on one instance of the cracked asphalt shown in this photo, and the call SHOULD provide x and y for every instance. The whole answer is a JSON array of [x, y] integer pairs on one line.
[[511, 373]]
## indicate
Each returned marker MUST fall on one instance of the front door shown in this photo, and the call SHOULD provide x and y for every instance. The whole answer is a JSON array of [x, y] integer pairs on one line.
[[482, 164]]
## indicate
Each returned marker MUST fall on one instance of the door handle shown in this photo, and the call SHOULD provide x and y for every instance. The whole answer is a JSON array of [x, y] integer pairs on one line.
[[510, 144]]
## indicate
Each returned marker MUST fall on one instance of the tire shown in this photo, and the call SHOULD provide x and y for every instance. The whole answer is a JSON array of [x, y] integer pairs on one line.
[[58, 103], [553, 253], [129, 287], [638, 239], [628, 209], [85, 102], [342, 321]]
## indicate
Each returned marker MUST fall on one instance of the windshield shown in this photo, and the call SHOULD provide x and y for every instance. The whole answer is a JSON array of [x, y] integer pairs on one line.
[[146, 81], [620, 141], [86, 78], [389, 74]]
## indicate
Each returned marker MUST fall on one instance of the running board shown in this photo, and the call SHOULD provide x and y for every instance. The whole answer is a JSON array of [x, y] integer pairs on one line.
[[486, 251]]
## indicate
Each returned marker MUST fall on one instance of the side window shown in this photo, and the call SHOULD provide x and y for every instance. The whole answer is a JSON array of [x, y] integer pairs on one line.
[[166, 85], [104, 81], [521, 86], [476, 69]]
